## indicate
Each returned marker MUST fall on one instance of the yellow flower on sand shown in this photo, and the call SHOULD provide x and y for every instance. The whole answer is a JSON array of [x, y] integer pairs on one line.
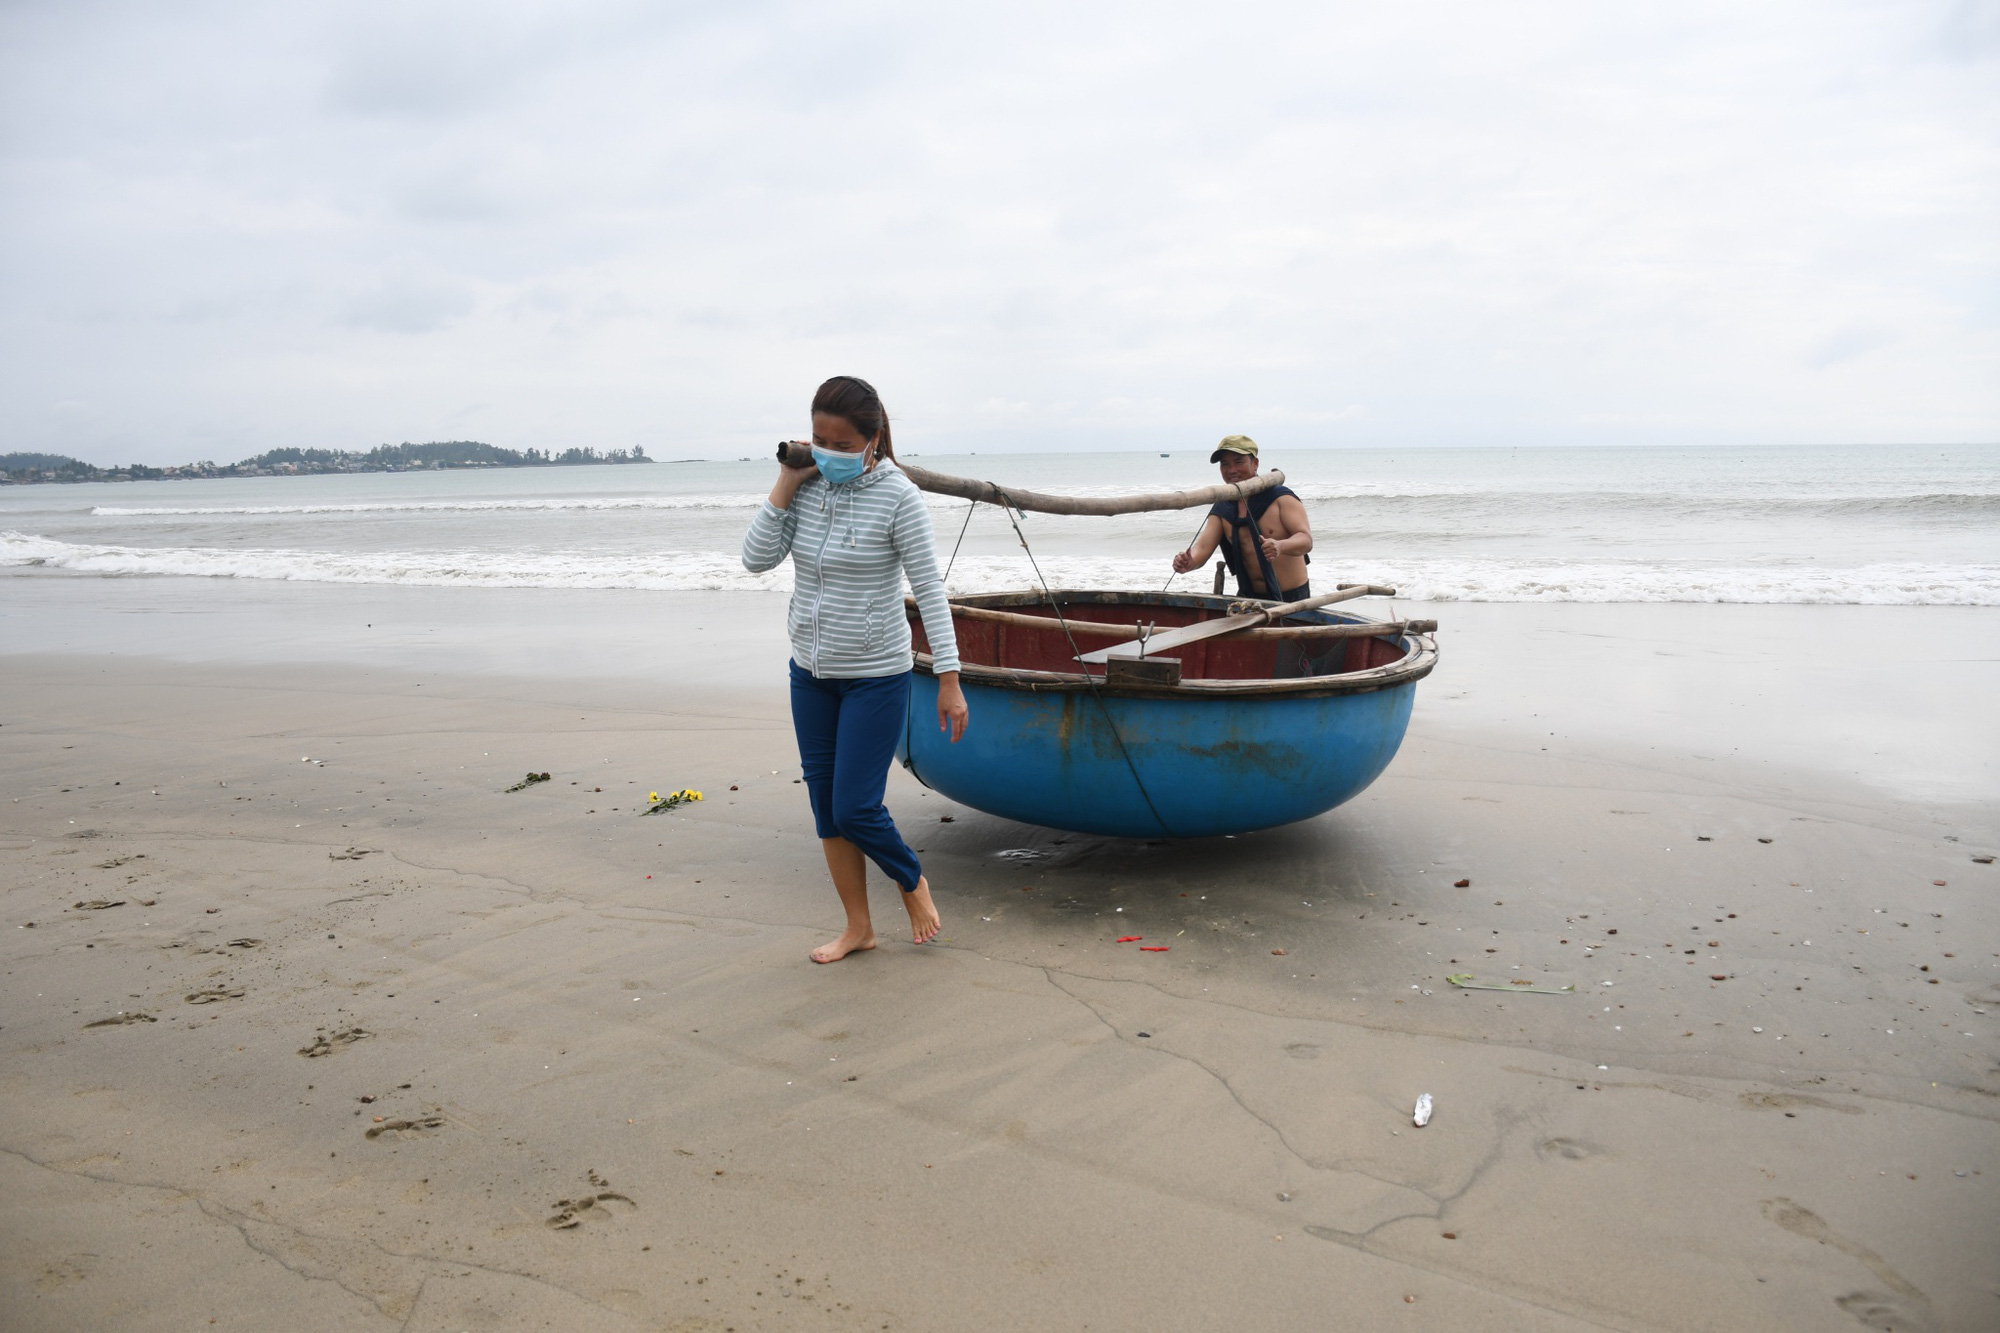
[[654, 797]]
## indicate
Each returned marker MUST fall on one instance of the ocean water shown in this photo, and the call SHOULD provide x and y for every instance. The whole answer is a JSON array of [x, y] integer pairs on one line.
[[1914, 526]]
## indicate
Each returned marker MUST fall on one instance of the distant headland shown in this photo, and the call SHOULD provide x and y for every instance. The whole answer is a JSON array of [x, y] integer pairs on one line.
[[23, 469]]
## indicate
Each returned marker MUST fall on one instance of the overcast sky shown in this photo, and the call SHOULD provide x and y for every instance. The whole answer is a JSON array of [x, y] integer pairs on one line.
[[226, 227]]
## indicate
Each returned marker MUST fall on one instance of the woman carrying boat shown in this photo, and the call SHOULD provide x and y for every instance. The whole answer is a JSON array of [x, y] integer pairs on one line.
[[855, 527]]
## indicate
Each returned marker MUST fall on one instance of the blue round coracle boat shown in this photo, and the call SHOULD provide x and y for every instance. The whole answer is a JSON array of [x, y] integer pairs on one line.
[[1244, 730]]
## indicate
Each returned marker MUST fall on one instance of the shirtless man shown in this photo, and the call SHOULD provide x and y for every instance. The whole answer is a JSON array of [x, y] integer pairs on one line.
[[1263, 539]]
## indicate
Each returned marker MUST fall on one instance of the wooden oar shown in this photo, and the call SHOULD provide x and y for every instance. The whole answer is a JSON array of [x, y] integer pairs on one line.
[[1212, 629]]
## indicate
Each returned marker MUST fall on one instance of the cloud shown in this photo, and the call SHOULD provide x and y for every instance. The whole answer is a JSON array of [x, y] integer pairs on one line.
[[406, 305], [1971, 30], [1542, 221], [1845, 346], [438, 60]]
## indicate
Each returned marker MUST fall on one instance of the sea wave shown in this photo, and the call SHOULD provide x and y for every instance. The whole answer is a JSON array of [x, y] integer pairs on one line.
[[1943, 504], [1899, 583], [1930, 507], [1976, 505], [1468, 580], [743, 501], [656, 571]]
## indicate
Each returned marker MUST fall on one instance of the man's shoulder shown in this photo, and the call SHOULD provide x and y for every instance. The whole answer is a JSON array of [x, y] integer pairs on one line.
[[1264, 499]]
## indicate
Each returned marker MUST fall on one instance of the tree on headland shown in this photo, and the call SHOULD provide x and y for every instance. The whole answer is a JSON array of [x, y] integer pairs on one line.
[[29, 468], [45, 467]]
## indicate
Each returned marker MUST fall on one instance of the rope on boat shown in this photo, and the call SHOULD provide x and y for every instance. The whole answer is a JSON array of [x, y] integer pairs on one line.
[[955, 545], [1174, 574], [1007, 508], [1006, 499]]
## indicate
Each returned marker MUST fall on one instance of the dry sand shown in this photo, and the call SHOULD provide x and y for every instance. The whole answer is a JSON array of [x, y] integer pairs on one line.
[[365, 1042]]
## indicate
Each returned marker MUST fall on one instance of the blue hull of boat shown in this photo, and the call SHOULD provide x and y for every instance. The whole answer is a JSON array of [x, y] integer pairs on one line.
[[1204, 766]]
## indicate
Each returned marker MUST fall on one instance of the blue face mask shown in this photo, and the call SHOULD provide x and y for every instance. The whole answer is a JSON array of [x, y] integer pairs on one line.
[[837, 467]]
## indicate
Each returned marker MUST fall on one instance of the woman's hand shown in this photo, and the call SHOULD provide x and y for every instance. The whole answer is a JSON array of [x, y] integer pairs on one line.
[[952, 712], [789, 481]]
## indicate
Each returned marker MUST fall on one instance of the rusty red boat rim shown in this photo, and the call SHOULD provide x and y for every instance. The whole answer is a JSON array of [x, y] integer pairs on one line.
[[1419, 657]]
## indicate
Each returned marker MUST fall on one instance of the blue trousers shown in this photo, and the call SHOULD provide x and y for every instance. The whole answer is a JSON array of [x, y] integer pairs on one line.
[[848, 731]]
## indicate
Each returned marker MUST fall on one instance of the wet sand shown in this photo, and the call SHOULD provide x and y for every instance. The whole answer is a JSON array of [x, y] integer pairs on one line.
[[419, 1053]]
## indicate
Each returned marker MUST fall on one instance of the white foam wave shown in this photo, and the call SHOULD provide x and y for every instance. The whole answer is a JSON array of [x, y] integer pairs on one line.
[[655, 571], [1902, 583], [1972, 504], [1886, 584], [745, 501]]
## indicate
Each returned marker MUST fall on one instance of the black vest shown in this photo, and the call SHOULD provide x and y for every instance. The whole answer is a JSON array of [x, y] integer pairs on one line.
[[1232, 545]]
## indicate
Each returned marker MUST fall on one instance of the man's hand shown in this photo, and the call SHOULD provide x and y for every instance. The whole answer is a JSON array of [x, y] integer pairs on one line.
[[1271, 551], [1184, 561]]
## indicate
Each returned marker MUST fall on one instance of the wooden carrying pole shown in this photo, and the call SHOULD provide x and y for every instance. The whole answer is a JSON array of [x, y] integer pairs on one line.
[[794, 454]]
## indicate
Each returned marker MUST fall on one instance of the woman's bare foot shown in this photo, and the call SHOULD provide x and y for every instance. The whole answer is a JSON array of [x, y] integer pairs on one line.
[[924, 923], [850, 941]]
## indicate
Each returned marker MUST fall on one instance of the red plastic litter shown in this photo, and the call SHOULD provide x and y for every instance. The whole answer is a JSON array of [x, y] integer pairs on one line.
[[1461, 884], [1127, 939], [1938, 882], [1154, 948]]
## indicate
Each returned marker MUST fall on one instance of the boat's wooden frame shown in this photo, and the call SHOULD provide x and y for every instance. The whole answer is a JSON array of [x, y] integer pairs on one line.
[[1418, 659], [1085, 629]]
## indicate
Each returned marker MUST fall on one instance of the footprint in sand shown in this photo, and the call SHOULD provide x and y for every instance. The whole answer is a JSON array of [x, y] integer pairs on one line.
[[245, 943], [351, 854], [118, 1020], [1903, 1307], [63, 1272], [215, 995], [598, 1202], [98, 905], [428, 1121], [1883, 1312], [1570, 1150], [1785, 1101], [326, 1043]]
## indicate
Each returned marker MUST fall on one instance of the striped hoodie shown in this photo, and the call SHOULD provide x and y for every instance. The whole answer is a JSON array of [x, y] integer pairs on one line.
[[849, 546]]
